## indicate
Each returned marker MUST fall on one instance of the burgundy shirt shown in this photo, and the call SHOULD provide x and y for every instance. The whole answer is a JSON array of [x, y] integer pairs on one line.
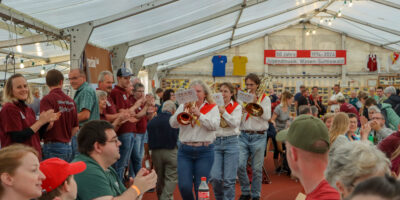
[[390, 144], [141, 125], [62, 128], [110, 106], [121, 99], [18, 116], [323, 191], [348, 108]]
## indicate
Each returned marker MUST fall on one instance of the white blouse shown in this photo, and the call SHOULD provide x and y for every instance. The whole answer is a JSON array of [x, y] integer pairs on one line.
[[233, 121], [209, 123]]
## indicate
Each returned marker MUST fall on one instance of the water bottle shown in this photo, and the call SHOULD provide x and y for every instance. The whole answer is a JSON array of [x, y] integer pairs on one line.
[[204, 191]]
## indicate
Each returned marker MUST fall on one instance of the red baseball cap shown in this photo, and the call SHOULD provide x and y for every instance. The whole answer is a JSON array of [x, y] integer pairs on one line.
[[57, 171]]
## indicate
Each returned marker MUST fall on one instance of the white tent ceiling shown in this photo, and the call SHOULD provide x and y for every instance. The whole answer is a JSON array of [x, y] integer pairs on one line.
[[181, 31]]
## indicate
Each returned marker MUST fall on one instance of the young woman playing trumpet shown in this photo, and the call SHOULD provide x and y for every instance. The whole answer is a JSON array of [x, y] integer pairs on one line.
[[226, 156], [196, 148]]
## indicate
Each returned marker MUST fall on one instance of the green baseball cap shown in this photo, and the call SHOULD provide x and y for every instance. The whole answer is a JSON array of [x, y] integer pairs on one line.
[[304, 131]]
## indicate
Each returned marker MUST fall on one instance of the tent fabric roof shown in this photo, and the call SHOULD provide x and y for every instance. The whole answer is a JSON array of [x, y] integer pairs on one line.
[[188, 29]]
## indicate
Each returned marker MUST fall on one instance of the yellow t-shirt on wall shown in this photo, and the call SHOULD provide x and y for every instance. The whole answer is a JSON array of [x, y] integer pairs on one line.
[[239, 65]]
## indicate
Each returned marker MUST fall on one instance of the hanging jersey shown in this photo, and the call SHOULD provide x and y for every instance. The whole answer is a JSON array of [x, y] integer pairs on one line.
[[219, 63], [239, 65]]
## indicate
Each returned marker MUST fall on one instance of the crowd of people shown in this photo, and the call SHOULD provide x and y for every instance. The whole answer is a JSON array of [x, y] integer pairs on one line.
[[115, 141]]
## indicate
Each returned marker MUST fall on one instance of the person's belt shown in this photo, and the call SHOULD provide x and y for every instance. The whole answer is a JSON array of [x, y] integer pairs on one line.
[[254, 132], [226, 137], [197, 144], [66, 143]]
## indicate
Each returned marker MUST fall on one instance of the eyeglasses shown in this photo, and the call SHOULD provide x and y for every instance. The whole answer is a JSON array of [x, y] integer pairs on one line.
[[116, 141], [250, 84], [373, 118], [74, 78]]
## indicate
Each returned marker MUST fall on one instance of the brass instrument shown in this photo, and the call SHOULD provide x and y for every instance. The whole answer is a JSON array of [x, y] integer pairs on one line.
[[222, 122], [185, 117], [255, 109]]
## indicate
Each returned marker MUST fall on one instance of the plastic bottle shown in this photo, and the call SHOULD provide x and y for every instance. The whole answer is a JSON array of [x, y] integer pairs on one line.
[[204, 191]]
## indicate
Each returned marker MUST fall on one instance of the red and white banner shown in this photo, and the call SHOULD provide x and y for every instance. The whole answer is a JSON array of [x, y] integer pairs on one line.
[[305, 57]]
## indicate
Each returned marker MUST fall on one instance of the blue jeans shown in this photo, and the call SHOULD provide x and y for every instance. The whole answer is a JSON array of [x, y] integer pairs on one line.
[[224, 169], [137, 153], [253, 146], [193, 163], [125, 151], [74, 145], [57, 150]]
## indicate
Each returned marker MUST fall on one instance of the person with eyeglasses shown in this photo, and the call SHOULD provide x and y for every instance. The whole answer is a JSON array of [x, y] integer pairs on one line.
[[253, 141], [99, 149], [377, 128]]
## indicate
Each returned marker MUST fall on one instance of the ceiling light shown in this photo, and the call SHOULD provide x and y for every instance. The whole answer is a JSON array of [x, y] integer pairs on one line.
[[19, 48], [21, 65], [351, 3], [303, 1], [321, 20], [39, 53], [314, 32], [339, 14], [42, 71], [330, 23], [308, 33]]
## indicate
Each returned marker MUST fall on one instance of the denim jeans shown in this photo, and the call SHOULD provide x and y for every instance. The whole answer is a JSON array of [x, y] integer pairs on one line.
[[193, 163], [125, 151], [253, 146], [137, 153], [224, 169], [74, 145], [57, 150]]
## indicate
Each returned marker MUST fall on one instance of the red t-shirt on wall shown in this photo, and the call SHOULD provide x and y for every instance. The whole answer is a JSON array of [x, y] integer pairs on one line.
[[323, 191], [121, 99], [18, 116], [62, 128]]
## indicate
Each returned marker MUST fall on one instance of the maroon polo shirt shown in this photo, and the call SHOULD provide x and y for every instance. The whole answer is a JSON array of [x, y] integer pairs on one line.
[[62, 128], [390, 144], [110, 106], [121, 99], [141, 125], [18, 116], [348, 108]]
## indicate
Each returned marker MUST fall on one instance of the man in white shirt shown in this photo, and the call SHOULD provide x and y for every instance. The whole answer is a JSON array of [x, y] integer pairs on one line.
[[252, 142], [332, 100]]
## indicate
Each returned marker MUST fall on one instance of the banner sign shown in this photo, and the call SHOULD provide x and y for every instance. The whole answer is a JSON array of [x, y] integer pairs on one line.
[[305, 57]]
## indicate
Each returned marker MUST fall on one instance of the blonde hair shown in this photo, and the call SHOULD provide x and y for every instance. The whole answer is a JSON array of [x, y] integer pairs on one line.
[[340, 126], [8, 96], [10, 159], [206, 89], [328, 116]]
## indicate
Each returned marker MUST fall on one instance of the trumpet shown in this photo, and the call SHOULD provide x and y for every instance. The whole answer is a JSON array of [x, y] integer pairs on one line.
[[222, 122], [185, 117], [255, 109]]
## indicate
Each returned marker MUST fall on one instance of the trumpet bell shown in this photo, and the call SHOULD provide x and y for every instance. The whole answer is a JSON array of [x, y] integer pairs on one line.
[[184, 118], [254, 109]]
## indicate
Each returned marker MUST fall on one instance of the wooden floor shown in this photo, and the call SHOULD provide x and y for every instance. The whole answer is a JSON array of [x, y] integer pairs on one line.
[[281, 188]]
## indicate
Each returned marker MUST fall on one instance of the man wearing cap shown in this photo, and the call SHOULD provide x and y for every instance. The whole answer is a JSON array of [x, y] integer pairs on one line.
[[125, 132], [99, 149], [60, 182], [307, 147], [57, 139]]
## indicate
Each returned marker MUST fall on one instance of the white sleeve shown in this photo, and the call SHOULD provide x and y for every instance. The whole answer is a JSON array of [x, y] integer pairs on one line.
[[233, 119], [210, 120], [266, 106]]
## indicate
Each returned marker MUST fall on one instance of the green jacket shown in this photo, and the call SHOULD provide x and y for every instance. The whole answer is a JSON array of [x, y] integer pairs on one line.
[[391, 116]]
